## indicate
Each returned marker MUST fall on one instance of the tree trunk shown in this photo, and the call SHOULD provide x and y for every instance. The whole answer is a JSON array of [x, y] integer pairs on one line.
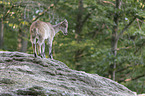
[[1, 33], [114, 52], [78, 30], [79, 24], [24, 42], [19, 39], [114, 41], [81, 19], [114, 44]]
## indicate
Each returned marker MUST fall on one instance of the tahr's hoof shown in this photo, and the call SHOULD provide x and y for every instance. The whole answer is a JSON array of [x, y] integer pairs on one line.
[[35, 55], [51, 58], [42, 55]]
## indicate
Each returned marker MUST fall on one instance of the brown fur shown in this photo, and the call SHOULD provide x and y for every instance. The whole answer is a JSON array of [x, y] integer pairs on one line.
[[43, 30]]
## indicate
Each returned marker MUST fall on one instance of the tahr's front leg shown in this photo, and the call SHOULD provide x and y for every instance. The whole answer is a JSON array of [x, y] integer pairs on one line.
[[50, 50]]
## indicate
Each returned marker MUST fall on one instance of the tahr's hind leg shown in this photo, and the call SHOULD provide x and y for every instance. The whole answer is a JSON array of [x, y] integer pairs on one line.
[[39, 49], [43, 50], [40, 42], [33, 41]]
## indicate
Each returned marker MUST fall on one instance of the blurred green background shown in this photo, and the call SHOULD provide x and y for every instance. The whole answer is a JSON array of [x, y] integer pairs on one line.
[[95, 27]]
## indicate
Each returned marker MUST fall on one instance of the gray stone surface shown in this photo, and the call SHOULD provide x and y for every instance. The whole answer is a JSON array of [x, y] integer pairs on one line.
[[23, 75]]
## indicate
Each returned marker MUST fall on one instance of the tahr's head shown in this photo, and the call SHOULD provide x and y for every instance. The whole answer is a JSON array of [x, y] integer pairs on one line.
[[64, 26]]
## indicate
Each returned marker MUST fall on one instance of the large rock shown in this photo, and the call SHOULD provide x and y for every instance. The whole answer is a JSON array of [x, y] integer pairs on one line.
[[21, 74]]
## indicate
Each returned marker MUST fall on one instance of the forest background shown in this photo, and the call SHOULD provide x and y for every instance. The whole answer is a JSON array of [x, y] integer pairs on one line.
[[105, 37]]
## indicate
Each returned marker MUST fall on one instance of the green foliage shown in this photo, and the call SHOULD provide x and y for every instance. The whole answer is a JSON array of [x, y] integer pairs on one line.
[[93, 52]]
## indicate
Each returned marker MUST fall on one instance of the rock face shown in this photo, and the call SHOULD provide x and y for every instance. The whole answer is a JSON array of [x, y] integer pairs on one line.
[[21, 75]]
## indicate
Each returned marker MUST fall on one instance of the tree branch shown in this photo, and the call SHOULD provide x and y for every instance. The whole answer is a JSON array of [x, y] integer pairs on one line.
[[109, 2], [131, 79], [137, 77], [120, 70], [5, 16], [126, 27], [13, 5], [139, 47], [42, 13], [86, 17]]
